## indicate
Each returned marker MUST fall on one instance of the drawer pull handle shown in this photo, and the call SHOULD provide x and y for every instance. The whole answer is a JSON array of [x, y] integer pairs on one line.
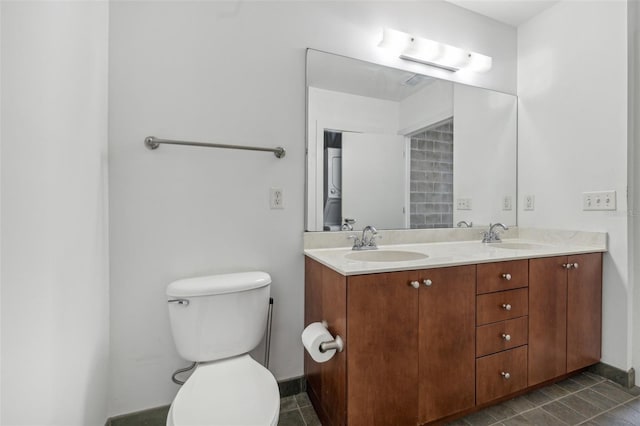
[[506, 376], [427, 283], [506, 277], [414, 284], [506, 337], [506, 306], [570, 265]]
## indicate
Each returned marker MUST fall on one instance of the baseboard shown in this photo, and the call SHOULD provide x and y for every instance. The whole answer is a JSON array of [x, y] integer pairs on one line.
[[626, 379], [158, 416], [292, 386]]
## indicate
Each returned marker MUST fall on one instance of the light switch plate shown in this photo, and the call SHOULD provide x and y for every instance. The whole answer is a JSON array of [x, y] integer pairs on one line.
[[506, 202], [599, 200]]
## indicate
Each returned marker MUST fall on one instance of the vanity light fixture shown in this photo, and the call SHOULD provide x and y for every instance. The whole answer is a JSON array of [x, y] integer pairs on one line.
[[432, 53]]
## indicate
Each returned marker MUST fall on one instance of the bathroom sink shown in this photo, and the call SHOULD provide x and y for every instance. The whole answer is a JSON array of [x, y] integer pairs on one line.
[[385, 256], [519, 246]]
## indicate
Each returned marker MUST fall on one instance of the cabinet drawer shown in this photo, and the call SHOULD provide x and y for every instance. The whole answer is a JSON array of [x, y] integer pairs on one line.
[[501, 374], [503, 305], [500, 276], [499, 336]]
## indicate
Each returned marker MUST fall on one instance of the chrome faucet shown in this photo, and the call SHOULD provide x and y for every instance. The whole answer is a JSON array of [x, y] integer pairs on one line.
[[465, 223], [493, 236], [365, 243]]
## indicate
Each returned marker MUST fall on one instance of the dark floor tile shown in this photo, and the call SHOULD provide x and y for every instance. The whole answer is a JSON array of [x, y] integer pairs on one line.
[[612, 391], [291, 418], [580, 405], [310, 417], [520, 404], [634, 403], [635, 391], [516, 421], [564, 413], [596, 399], [457, 422], [555, 391], [570, 385], [288, 403], [480, 418], [303, 400], [607, 419], [153, 417], [500, 412], [540, 417], [626, 413], [586, 379], [538, 397]]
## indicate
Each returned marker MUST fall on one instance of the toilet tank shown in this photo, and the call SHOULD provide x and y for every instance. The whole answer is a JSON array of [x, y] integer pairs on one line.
[[218, 316]]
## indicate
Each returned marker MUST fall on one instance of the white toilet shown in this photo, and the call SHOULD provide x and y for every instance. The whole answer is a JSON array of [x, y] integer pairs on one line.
[[216, 321]]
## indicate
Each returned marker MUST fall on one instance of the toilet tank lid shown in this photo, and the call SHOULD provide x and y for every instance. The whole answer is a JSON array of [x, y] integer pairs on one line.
[[218, 284]]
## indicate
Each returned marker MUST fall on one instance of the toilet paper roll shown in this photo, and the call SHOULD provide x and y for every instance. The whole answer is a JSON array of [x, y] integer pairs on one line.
[[312, 336]]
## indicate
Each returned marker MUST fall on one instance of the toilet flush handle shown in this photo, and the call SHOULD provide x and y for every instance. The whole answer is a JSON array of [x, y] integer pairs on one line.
[[183, 302]]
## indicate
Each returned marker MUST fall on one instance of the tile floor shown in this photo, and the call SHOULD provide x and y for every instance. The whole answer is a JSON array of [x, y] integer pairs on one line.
[[584, 399]]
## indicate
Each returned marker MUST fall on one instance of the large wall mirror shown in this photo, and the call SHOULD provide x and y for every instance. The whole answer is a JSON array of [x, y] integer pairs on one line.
[[399, 150]]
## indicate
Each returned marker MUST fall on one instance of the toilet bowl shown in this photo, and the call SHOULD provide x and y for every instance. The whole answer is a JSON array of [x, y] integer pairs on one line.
[[215, 321], [234, 392]]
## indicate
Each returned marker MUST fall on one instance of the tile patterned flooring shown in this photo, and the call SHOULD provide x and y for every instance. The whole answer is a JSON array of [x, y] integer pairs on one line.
[[584, 399]]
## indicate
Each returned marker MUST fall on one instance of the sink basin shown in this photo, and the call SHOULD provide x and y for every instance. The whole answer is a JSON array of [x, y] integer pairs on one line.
[[385, 256], [519, 246]]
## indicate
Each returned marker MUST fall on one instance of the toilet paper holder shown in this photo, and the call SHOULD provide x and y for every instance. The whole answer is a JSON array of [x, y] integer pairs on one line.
[[337, 343]]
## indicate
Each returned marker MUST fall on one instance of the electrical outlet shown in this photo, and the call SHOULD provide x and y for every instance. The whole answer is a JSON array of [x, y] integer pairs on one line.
[[463, 203], [529, 202], [601, 200], [276, 198], [506, 202]]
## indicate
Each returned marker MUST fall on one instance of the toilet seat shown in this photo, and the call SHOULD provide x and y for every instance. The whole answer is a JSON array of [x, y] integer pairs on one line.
[[231, 392]]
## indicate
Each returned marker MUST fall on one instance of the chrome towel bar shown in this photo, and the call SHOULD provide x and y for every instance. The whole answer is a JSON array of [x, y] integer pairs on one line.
[[153, 142]]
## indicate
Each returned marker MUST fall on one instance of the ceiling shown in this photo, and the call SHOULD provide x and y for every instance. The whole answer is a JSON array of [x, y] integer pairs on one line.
[[511, 12]]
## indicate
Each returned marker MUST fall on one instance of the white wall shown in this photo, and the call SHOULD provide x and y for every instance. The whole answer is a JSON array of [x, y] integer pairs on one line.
[[230, 72], [634, 174], [54, 213], [572, 88]]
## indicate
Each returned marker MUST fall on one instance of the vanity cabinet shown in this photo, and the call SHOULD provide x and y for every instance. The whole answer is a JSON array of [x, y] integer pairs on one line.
[[565, 302], [429, 344], [412, 340]]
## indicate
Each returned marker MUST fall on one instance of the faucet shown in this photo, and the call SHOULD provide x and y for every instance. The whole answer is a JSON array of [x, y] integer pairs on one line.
[[348, 224], [365, 243], [465, 223], [492, 236]]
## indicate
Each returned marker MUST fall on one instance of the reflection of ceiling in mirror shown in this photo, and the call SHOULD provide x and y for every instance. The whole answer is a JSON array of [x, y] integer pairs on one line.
[[347, 75]]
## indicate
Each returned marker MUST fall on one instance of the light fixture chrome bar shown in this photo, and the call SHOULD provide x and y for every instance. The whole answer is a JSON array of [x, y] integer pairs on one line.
[[153, 142]]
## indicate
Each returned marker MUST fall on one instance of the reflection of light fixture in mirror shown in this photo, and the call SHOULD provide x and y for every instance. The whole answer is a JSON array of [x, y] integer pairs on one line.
[[432, 53]]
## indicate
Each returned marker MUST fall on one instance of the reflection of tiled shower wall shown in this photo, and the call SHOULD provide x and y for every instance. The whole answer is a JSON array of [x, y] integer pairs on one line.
[[431, 194]]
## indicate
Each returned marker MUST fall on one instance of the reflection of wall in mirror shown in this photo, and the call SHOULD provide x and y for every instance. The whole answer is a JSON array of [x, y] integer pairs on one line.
[[485, 148]]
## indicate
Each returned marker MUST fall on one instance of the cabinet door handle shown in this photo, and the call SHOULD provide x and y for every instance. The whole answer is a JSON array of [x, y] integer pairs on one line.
[[414, 284], [506, 306], [427, 283], [570, 265], [506, 337], [506, 277], [575, 265], [506, 375]]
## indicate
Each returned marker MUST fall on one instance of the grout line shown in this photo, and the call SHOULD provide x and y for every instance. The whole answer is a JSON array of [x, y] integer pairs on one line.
[[554, 400], [606, 411]]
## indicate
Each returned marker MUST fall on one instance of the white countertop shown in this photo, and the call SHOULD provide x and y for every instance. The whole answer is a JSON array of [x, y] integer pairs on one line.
[[456, 253]]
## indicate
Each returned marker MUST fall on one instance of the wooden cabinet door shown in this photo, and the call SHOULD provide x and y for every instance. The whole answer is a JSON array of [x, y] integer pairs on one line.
[[584, 311], [382, 367], [547, 319], [447, 342]]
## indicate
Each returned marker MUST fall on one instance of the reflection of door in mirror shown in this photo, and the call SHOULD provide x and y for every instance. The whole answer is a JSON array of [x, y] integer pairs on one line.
[[372, 181]]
